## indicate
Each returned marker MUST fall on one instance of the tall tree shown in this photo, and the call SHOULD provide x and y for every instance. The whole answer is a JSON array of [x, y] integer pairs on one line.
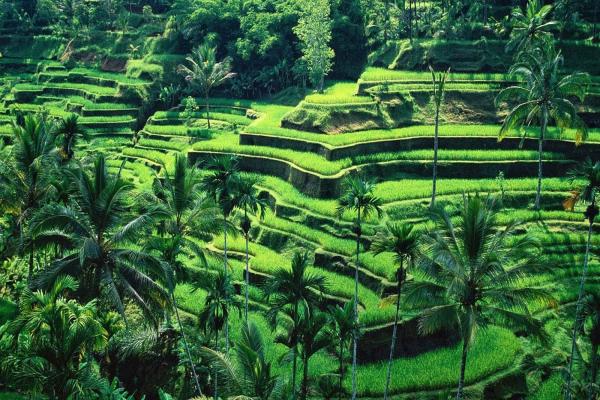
[[250, 200], [70, 130], [313, 330], [221, 183], [51, 342], [220, 301], [250, 373], [314, 32], [473, 274], [590, 172], [358, 197], [342, 319], [531, 27], [293, 290], [97, 231], [186, 215], [543, 96], [591, 312], [204, 73], [26, 176], [401, 240], [438, 85]]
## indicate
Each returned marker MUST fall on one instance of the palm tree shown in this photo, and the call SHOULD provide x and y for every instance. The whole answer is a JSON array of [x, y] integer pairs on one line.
[[590, 172], [342, 319], [531, 27], [220, 300], [439, 84], [401, 239], [472, 275], [70, 130], [251, 373], [204, 73], [358, 197], [544, 96], [26, 180], [290, 290], [98, 231], [314, 338], [185, 215], [591, 312], [248, 199], [50, 341], [221, 184]]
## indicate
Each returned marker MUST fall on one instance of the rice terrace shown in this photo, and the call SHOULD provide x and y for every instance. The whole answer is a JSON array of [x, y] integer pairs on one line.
[[299, 199]]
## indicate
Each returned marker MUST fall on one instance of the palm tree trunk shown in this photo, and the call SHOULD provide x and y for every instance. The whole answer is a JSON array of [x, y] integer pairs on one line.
[[593, 372], [463, 367], [247, 279], [410, 21], [187, 347], [294, 365], [595, 27], [341, 359], [225, 270], [294, 352], [30, 272], [247, 261], [416, 19], [435, 153], [304, 391], [207, 111], [394, 334], [578, 321], [216, 372], [485, 11], [538, 194], [355, 336], [386, 21]]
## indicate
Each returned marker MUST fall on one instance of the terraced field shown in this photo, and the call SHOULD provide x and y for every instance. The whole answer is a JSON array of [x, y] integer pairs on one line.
[[301, 171], [302, 159]]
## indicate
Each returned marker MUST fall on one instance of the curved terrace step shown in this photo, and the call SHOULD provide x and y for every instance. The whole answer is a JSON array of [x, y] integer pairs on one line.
[[322, 186]]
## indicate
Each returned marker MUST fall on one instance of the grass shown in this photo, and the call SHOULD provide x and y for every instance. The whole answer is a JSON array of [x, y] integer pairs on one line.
[[92, 89], [375, 74], [271, 115], [201, 115], [226, 143], [493, 350], [550, 389], [154, 156], [162, 144]]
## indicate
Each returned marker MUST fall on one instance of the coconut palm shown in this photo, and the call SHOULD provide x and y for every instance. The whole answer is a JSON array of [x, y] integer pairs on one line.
[[472, 274], [400, 239], [438, 84], [590, 313], [250, 200], [250, 373], [358, 197], [314, 338], [220, 301], [205, 73], [293, 290], [186, 215], [50, 341], [70, 130], [590, 172], [97, 231], [25, 180], [221, 184], [342, 319], [531, 26], [543, 96]]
